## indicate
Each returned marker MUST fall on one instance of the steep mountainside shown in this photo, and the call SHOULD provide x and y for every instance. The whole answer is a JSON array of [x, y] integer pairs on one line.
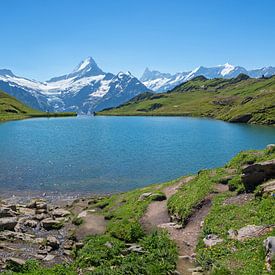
[[162, 82], [85, 90], [240, 99]]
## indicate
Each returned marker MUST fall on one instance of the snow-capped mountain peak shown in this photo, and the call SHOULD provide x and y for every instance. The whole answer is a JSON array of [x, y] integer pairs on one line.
[[87, 65], [160, 82], [85, 90], [5, 72], [227, 68]]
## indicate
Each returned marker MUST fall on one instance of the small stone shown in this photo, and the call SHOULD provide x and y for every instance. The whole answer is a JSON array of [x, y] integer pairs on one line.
[[49, 258], [53, 242], [67, 252], [68, 245], [108, 244], [211, 240], [61, 213], [50, 224], [144, 196], [31, 223]]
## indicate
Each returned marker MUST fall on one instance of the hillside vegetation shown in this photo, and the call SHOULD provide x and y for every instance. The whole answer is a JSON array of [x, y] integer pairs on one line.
[[11, 109], [240, 99]]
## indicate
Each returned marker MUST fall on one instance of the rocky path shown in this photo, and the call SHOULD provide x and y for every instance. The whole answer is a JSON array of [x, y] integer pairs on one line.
[[186, 238]]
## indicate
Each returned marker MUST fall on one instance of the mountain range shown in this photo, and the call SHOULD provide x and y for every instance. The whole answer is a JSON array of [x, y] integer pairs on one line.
[[162, 82], [89, 89], [85, 90]]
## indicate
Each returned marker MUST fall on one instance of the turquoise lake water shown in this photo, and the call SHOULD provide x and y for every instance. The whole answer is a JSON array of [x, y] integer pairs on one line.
[[111, 154]]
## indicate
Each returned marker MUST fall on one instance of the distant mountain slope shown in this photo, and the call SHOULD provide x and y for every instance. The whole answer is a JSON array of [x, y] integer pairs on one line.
[[85, 90], [162, 82], [11, 108], [240, 99]]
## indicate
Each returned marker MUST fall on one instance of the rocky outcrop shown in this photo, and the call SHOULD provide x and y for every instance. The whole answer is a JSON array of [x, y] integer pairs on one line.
[[250, 231], [255, 174]]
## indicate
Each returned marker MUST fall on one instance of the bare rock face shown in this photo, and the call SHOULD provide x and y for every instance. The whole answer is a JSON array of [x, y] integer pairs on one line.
[[211, 240], [255, 174], [8, 223]]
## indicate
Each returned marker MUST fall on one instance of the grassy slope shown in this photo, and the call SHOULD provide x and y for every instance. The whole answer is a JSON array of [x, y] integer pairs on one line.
[[11, 109], [230, 257], [223, 99]]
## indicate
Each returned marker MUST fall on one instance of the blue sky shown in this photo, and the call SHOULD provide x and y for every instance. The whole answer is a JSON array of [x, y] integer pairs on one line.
[[41, 39]]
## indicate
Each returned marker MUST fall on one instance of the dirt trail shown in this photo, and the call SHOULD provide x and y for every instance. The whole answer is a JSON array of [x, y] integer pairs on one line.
[[186, 238], [93, 223]]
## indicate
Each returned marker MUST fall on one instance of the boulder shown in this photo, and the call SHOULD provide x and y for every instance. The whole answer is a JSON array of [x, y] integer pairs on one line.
[[59, 212], [50, 224], [37, 203], [249, 231], [31, 223], [211, 240], [8, 223], [53, 242], [6, 212], [255, 174]]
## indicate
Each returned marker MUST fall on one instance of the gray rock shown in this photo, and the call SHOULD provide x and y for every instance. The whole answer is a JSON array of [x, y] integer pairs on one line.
[[53, 242], [49, 258], [144, 196], [31, 223], [59, 212], [6, 212], [255, 174], [8, 223], [13, 236], [79, 245], [50, 224], [211, 240], [268, 187], [249, 231]]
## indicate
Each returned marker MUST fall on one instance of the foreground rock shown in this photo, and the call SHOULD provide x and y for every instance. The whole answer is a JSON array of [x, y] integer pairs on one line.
[[50, 224], [255, 174], [250, 231], [8, 223]]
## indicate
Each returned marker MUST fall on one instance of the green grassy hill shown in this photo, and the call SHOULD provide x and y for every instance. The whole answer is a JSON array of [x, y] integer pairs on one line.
[[240, 99], [11, 109]]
